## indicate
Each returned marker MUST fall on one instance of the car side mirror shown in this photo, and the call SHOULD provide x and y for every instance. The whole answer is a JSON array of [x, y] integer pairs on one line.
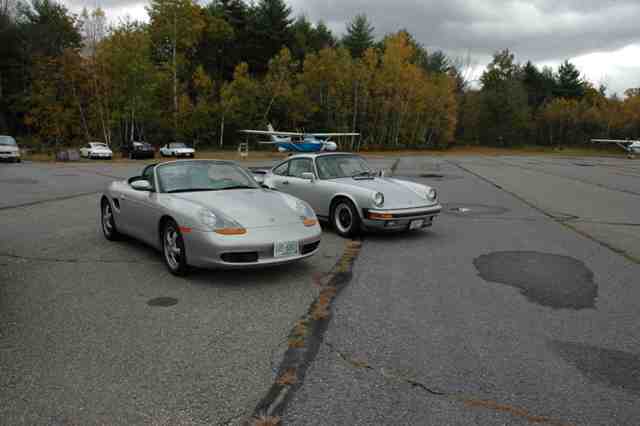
[[308, 176], [382, 173], [141, 185]]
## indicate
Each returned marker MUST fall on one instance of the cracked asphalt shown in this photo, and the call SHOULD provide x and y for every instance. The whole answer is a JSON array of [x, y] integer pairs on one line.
[[419, 337], [79, 344], [518, 307]]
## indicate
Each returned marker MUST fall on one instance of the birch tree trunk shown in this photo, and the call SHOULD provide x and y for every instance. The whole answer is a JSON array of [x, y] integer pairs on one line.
[[175, 76]]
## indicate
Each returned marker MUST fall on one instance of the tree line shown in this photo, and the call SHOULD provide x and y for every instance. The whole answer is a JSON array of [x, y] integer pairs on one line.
[[524, 104], [198, 73]]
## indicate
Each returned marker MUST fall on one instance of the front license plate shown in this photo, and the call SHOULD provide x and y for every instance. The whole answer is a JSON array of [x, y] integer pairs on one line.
[[416, 224], [286, 248]]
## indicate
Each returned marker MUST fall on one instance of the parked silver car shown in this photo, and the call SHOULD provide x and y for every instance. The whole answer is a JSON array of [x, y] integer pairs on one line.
[[344, 190], [9, 149], [209, 213]]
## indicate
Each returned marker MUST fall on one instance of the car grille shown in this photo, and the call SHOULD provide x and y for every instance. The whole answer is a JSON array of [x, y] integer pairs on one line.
[[308, 248], [246, 257]]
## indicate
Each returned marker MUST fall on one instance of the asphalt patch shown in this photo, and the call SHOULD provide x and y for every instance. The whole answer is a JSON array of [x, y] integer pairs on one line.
[[163, 302], [559, 282], [440, 176], [614, 368], [472, 210]]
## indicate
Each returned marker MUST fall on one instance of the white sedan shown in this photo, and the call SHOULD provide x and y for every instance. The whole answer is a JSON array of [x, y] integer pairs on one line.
[[177, 149], [96, 150]]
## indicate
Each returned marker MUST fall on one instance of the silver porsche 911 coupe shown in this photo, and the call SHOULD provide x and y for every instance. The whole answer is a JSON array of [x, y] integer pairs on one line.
[[209, 213], [344, 190]]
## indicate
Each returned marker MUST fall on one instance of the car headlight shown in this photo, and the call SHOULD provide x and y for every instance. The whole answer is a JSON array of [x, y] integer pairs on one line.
[[220, 224], [307, 215], [378, 199], [432, 194]]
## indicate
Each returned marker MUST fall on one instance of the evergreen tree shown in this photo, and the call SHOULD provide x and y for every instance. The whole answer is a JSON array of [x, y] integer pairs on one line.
[[271, 32], [570, 84], [539, 85], [323, 37], [501, 69], [359, 36]]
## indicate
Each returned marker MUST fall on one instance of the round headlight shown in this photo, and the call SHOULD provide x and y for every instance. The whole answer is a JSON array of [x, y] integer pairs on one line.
[[432, 194], [208, 218], [378, 199]]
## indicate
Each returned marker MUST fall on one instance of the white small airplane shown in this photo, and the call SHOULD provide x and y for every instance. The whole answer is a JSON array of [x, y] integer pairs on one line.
[[299, 142], [631, 147]]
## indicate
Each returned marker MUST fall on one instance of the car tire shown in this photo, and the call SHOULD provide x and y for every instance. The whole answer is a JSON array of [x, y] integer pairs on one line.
[[18, 160], [173, 251], [345, 218], [108, 222]]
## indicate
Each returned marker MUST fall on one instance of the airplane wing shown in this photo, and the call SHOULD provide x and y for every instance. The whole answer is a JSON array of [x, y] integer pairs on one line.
[[269, 133], [328, 135], [616, 141]]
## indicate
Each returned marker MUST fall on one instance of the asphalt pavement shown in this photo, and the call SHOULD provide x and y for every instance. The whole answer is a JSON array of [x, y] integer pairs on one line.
[[86, 336], [502, 314], [518, 307]]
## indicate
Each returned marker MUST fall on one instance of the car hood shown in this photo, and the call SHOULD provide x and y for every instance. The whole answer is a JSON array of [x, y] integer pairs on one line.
[[251, 208], [9, 148], [397, 193]]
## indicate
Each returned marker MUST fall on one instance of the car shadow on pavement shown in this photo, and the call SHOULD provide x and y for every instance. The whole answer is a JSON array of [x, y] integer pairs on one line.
[[252, 277]]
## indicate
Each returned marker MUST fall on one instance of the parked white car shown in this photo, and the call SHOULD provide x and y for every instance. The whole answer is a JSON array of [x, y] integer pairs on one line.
[[96, 150], [9, 149], [177, 149]]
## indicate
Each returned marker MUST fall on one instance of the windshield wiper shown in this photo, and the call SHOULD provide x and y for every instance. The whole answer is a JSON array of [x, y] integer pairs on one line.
[[361, 174], [175, 191], [238, 187]]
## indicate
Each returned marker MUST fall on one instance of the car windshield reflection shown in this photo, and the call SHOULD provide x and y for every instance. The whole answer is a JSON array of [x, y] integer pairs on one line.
[[203, 176], [7, 141], [341, 166]]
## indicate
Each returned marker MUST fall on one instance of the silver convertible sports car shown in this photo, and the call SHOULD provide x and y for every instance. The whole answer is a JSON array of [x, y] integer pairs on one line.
[[344, 190], [208, 213]]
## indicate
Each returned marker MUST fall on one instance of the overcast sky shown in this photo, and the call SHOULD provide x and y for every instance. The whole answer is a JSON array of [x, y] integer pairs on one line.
[[602, 37]]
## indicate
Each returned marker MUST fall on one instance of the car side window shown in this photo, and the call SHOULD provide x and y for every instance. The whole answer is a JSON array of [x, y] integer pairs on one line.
[[282, 169], [299, 166]]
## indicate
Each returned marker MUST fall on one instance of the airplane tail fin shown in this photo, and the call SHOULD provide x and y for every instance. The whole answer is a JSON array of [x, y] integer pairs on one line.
[[270, 128]]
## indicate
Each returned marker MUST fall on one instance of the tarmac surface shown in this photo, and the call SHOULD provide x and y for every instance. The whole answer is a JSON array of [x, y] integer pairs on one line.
[[519, 306]]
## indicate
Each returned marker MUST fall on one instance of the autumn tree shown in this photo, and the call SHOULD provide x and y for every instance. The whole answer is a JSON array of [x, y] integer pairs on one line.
[[176, 28], [128, 83]]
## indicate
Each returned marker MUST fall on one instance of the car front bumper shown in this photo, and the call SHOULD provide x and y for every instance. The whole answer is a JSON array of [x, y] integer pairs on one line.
[[253, 249], [9, 155], [400, 219]]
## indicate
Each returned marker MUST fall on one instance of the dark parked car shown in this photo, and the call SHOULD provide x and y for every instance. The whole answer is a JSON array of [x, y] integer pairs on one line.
[[138, 150]]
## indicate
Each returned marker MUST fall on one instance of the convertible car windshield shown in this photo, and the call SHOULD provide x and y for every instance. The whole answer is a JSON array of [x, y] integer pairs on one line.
[[340, 166], [7, 140], [192, 176]]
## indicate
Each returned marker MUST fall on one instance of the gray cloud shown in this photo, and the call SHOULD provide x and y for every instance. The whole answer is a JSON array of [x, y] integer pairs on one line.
[[535, 29], [538, 30]]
